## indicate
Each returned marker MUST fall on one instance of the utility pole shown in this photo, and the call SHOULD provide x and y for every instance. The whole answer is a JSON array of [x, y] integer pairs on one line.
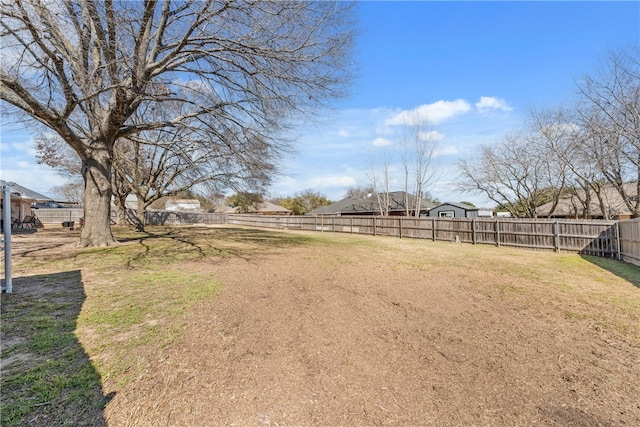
[[6, 243]]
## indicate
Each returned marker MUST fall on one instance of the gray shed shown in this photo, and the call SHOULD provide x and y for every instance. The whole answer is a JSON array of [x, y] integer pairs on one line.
[[454, 210]]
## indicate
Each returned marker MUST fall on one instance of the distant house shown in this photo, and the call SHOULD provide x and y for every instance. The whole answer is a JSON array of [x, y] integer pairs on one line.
[[264, 208], [571, 206], [370, 205], [454, 210], [21, 200], [485, 213], [183, 205]]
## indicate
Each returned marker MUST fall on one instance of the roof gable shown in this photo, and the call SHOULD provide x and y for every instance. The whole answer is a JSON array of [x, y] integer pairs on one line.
[[24, 192], [458, 205]]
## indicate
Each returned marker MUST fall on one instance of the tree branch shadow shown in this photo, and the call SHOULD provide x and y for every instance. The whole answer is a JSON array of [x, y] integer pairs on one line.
[[208, 241]]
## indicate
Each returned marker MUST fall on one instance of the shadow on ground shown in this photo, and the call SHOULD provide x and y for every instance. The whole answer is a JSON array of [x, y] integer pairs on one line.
[[625, 270], [47, 378], [210, 241], [239, 234]]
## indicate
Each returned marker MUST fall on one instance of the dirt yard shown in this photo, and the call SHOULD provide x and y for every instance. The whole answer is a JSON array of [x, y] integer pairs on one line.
[[382, 331]]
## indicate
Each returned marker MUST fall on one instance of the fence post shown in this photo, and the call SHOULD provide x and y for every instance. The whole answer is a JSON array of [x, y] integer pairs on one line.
[[374, 225], [433, 228], [497, 231], [6, 244], [473, 230], [556, 236], [333, 224], [618, 248], [400, 226], [351, 224]]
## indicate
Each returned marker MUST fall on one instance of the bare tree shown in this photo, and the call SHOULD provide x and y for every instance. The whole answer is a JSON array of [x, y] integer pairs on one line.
[[160, 163], [121, 192], [360, 191], [517, 173], [70, 192], [417, 159], [233, 68], [52, 151], [579, 150], [598, 137], [381, 185], [585, 147], [609, 112]]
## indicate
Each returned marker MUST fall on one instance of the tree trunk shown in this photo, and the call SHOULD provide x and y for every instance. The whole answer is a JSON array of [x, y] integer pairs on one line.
[[96, 171], [140, 219], [121, 216], [121, 210], [121, 191]]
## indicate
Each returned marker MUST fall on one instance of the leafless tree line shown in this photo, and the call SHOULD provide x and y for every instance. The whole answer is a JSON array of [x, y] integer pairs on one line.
[[578, 149]]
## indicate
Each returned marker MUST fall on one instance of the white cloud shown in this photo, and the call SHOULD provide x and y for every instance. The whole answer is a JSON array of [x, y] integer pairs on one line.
[[35, 177], [329, 163], [432, 135], [332, 186], [434, 113], [447, 150], [488, 103], [332, 181], [381, 142], [343, 133]]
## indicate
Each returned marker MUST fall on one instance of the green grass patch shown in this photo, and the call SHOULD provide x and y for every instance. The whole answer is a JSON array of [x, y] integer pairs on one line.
[[627, 271], [47, 375]]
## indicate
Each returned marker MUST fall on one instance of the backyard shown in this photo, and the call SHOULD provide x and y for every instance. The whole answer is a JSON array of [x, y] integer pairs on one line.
[[201, 326]]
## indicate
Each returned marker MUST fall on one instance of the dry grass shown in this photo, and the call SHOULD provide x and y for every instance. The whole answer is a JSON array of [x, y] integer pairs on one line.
[[119, 316]]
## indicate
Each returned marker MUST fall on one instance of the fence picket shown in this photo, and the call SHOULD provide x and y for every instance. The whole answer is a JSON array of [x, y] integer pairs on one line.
[[611, 239], [593, 237]]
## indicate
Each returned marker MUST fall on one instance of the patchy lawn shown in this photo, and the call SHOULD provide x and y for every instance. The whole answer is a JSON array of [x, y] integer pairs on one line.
[[231, 326]]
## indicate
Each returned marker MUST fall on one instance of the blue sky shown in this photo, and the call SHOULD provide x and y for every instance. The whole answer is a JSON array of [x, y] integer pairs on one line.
[[472, 70]]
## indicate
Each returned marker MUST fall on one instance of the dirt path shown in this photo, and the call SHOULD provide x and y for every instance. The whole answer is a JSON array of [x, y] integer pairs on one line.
[[308, 336]]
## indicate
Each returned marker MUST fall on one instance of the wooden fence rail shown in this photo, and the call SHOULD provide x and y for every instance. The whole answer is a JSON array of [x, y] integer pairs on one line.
[[611, 239], [173, 217], [59, 215], [589, 237]]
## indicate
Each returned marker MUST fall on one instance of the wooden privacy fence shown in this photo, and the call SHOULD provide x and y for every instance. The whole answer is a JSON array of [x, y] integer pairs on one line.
[[173, 217], [591, 237], [59, 215], [611, 239], [630, 240]]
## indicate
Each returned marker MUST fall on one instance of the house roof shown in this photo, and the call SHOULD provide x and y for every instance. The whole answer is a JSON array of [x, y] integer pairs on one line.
[[459, 206], [354, 205], [18, 191], [571, 206]]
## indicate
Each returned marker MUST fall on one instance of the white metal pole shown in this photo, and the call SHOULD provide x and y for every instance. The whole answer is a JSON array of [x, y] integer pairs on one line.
[[7, 239]]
